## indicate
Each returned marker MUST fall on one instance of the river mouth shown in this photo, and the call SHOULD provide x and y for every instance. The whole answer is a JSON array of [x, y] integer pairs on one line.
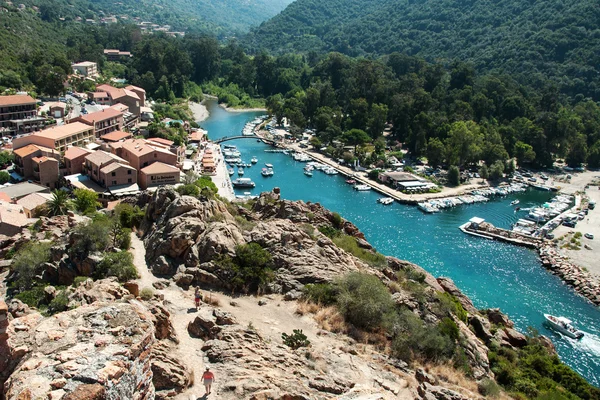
[[491, 273]]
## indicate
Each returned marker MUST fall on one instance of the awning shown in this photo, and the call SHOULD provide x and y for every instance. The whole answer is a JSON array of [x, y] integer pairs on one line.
[[121, 190]]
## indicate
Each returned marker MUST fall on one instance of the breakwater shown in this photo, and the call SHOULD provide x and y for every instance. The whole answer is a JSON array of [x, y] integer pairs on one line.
[[489, 231]]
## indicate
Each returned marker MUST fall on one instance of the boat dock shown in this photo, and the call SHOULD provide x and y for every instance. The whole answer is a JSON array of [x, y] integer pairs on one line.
[[478, 227]]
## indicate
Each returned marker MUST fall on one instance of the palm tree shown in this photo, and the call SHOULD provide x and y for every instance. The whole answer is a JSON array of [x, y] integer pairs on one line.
[[59, 204]]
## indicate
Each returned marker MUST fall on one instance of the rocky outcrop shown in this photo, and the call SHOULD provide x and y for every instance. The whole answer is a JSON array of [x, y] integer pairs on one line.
[[95, 351], [450, 287], [169, 375], [573, 275]]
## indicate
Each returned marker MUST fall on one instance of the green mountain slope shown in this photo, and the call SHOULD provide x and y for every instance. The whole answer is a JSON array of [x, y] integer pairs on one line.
[[556, 38]]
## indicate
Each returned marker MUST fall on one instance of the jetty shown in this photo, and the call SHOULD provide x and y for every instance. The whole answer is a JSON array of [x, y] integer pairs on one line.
[[478, 227]]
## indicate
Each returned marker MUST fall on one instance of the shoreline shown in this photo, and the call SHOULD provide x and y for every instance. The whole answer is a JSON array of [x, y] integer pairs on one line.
[[241, 110], [199, 111]]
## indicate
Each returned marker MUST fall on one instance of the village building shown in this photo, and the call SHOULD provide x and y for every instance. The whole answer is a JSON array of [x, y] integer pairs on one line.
[[132, 96], [74, 159], [59, 138], [18, 115], [86, 68], [20, 190], [104, 121], [34, 203], [28, 160], [159, 173]]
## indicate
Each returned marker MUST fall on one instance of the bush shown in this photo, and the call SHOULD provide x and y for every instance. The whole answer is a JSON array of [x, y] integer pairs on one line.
[[250, 269], [90, 237], [119, 265], [129, 216], [337, 221], [411, 274], [32, 297], [454, 176], [28, 261], [60, 303], [86, 201], [147, 293], [448, 304], [295, 340], [488, 388], [329, 231], [320, 293], [244, 224], [349, 244], [449, 328], [79, 280], [189, 190], [364, 301]]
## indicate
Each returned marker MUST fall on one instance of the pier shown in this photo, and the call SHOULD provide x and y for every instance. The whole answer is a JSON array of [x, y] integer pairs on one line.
[[478, 227]]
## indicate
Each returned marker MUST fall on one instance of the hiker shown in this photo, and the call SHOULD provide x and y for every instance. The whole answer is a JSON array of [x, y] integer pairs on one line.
[[198, 297], [208, 378]]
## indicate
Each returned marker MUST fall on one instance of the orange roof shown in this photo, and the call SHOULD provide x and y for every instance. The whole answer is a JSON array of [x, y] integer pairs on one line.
[[116, 136], [121, 107], [159, 168], [43, 159], [74, 152], [17, 99], [5, 197], [196, 136], [116, 93], [99, 94], [27, 150], [161, 141], [63, 131], [98, 116], [131, 87]]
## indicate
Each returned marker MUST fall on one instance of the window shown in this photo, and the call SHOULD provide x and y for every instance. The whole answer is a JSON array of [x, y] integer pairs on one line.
[[114, 182], [113, 174], [128, 172], [129, 180], [154, 155], [145, 164]]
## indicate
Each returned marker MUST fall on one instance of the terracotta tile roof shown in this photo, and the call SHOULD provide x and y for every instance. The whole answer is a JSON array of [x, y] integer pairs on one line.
[[161, 141], [114, 166], [102, 115], [63, 131], [97, 95], [27, 150], [131, 87], [44, 159], [100, 157], [34, 200], [84, 64], [17, 99], [159, 168], [116, 136], [74, 152], [12, 216], [120, 107], [116, 93]]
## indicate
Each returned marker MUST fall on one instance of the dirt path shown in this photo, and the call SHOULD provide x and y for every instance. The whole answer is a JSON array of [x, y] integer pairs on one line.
[[180, 305]]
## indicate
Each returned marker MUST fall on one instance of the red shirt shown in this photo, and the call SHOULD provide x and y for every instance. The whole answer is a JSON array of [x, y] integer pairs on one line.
[[208, 375]]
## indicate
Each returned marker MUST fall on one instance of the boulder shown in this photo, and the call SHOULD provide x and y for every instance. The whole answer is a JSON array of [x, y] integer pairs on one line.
[[204, 326], [423, 376], [169, 375], [161, 318], [161, 266], [87, 267], [495, 316], [183, 280], [132, 287], [87, 392], [450, 287], [223, 317], [481, 328], [515, 338]]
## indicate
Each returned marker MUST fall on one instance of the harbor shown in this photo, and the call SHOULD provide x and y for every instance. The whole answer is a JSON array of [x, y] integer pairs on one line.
[[521, 288]]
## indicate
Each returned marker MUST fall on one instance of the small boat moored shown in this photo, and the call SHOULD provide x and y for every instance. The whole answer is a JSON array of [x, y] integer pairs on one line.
[[268, 165], [230, 171], [563, 325], [243, 183], [308, 173], [350, 181], [267, 172], [240, 171], [385, 200], [362, 188], [254, 160], [514, 202]]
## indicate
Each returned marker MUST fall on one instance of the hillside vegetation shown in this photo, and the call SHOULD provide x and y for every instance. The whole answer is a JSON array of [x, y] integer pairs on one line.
[[530, 39]]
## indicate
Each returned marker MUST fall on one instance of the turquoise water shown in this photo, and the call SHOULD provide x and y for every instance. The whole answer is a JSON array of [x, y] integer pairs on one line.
[[492, 274]]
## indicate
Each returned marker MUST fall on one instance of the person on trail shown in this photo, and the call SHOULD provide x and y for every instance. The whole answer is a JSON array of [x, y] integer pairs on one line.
[[208, 378], [197, 297]]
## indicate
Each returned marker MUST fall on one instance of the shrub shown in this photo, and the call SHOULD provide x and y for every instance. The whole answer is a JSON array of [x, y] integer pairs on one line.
[[411, 274], [90, 237], [449, 328], [32, 297], [60, 303], [320, 293], [28, 261], [454, 175], [364, 301], [119, 265], [448, 304], [189, 190], [337, 221], [86, 201], [349, 244], [329, 231], [308, 229], [79, 280], [146, 293], [250, 269], [296, 340], [244, 224], [128, 215], [488, 388]]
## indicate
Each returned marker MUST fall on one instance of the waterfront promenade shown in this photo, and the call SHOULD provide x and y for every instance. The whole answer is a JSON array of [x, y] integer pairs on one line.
[[221, 177]]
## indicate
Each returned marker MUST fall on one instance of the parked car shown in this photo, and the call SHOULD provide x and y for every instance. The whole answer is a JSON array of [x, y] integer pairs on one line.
[[569, 224], [589, 235], [532, 180]]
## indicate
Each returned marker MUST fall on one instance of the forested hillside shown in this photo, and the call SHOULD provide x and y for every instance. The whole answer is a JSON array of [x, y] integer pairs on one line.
[[222, 18], [528, 39]]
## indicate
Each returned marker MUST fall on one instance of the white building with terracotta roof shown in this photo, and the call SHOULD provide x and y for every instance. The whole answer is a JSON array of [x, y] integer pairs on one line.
[[132, 96], [104, 121], [88, 69], [59, 138], [157, 174]]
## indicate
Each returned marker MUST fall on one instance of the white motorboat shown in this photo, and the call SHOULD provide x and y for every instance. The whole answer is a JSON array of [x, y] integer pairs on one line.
[[362, 188], [254, 160], [514, 202], [308, 173], [267, 172], [230, 171], [563, 325], [385, 200], [240, 171], [330, 171], [243, 183], [268, 165]]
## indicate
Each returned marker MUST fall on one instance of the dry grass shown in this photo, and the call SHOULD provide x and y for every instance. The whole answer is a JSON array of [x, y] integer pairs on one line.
[[212, 300], [330, 319], [461, 383], [305, 307]]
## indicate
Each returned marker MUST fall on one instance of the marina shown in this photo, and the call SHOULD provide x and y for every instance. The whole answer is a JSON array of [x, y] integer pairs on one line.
[[522, 288]]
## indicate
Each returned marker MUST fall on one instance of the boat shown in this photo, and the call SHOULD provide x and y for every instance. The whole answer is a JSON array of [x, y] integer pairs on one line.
[[385, 200], [517, 208], [268, 165], [308, 173], [514, 202], [243, 183], [350, 181], [254, 160], [240, 171], [267, 172], [563, 325], [230, 171], [330, 171], [362, 188]]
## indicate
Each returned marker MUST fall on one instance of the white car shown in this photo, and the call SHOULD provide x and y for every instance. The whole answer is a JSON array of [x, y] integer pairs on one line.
[[589, 235]]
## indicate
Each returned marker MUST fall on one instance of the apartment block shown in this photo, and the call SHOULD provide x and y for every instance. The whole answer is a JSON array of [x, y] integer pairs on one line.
[[59, 138], [117, 55], [132, 96], [24, 160], [105, 168], [45, 171], [86, 68], [74, 159], [157, 174], [18, 115], [104, 121]]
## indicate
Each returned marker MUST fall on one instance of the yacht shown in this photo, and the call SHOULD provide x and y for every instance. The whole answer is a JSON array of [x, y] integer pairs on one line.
[[563, 325], [243, 183], [362, 188], [385, 201], [254, 160], [267, 172], [240, 171]]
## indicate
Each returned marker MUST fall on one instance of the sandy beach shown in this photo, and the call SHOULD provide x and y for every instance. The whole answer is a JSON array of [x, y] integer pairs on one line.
[[199, 110], [229, 109]]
